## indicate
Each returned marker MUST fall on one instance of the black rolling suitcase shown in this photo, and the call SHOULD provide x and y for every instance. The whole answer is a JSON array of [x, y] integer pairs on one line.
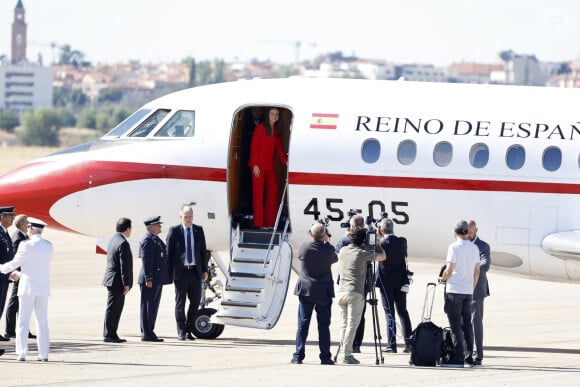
[[427, 338]]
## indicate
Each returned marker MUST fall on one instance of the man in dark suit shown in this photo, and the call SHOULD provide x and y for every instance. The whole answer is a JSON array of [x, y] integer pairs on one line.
[[118, 279], [21, 224], [188, 261], [315, 289], [391, 280], [153, 275], [480, 292], [6, 254]]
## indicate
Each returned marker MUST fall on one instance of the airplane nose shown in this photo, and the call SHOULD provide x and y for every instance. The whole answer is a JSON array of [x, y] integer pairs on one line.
[[35, 187]]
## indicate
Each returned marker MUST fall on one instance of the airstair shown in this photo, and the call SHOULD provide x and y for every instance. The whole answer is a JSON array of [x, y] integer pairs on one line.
[[257, 278]]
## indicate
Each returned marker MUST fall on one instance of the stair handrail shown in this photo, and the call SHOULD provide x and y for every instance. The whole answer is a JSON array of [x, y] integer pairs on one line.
[[278, 215]]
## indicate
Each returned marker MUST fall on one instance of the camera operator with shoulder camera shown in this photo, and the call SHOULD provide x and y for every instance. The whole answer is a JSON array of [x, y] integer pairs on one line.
[[393, 282], [460, 277], [353, 260], [315, 289]]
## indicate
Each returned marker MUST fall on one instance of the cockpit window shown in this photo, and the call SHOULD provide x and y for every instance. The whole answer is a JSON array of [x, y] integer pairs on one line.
[[150, 123], [128, 123], [181, 124]]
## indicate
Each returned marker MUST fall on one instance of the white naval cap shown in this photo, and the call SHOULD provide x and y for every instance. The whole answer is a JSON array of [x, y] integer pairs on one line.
[[36, 223]]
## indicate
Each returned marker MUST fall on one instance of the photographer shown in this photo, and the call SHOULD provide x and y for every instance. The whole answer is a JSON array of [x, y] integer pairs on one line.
[[356, 220], [353, 260], [315, 289], [393, 282]]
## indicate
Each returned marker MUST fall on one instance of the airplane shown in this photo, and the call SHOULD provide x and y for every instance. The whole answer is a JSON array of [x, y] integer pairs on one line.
[[426, 154]]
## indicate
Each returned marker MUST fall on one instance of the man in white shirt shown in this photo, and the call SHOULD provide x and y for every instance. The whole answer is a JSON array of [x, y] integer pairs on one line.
[[460, 275]]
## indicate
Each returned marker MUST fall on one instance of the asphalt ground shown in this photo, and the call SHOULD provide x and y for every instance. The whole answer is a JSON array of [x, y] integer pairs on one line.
[[532, 337]]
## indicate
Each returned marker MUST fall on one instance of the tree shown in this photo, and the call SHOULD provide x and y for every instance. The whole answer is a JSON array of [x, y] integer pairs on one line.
[[69, 98], [190, 62], [41, 127], [68, 56], [8, 120], [109, 94]]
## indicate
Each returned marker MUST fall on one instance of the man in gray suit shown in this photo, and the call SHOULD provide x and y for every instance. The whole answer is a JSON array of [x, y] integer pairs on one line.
[[118, 279], [480, 292], [315, 289]]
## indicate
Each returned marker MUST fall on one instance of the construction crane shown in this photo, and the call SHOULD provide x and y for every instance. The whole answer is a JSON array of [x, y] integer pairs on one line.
[[296, 44]]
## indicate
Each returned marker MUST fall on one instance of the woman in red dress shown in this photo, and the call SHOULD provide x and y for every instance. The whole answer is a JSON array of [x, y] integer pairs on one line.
[[265, 142]]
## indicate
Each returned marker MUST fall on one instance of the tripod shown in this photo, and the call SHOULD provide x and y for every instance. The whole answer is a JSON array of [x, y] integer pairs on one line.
[[372, 300]]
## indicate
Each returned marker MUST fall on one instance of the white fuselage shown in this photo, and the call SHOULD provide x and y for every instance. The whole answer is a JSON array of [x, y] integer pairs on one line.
[[86, 191]]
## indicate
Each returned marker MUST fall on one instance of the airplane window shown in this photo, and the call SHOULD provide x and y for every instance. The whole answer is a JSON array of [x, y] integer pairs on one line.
[[552, 158], [371, 150], [515, 157], [150, 123], [479, 155], [443, 153], [128, 123], [407, 152], [181, 124]]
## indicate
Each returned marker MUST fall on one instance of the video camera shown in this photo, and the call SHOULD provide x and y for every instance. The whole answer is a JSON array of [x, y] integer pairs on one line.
[[350, 214], [373, 224], [325, 222]]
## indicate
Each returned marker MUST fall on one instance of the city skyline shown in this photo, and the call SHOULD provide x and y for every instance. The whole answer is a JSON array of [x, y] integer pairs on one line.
[[414, 31]]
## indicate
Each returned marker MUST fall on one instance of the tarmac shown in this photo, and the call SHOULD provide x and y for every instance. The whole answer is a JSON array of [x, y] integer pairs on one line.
[[532, 337]]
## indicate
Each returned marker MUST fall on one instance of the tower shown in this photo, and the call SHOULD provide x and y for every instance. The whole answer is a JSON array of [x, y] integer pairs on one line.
[[19, 34]]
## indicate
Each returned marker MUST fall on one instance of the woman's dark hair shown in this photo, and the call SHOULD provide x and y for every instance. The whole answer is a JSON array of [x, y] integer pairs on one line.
[[269, 129]]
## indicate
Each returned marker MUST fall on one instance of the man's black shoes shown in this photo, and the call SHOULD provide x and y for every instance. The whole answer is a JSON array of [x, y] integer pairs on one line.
[[296, 361], [190, 337], [2, 338], [113, 340], [327, 361]]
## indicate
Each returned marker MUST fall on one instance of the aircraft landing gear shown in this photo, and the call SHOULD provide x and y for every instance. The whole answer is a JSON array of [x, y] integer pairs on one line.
[[203, 328]]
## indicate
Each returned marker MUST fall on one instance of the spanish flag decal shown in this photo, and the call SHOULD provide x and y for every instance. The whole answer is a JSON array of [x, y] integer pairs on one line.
[[323, 121]]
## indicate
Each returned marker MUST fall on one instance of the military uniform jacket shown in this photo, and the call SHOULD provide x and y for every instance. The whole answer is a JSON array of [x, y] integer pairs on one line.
[[393, 271], [155, 265], [6, 251], [34, 257], [119, 271]]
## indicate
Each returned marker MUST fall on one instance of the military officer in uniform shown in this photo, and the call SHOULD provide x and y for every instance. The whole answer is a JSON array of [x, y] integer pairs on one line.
[[6, 254], [21, 224], [34, 258], [153, 275]]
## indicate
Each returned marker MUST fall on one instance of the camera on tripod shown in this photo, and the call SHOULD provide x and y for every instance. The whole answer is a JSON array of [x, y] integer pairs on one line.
[[373, 224], [350, 214]]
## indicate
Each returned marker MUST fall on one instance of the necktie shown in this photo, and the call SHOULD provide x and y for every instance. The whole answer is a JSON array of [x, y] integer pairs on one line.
[[188, 252]]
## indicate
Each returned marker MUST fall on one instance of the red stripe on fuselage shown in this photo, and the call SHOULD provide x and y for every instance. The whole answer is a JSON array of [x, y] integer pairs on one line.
[[305, 178]]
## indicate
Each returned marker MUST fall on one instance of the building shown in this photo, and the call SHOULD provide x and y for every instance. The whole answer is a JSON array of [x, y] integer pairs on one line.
[[23, 85]]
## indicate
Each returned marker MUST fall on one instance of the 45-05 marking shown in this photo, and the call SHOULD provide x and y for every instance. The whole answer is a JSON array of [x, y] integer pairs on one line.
[[335, 213]]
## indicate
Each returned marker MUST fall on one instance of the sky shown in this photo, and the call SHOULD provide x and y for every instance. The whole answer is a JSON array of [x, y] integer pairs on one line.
[[439, 32]]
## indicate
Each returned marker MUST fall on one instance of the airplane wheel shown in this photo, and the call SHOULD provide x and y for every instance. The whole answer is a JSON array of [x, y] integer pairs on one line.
[[203, 327]]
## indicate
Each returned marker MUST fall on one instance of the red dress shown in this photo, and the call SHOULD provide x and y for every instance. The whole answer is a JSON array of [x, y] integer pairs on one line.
[[265, 187]]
